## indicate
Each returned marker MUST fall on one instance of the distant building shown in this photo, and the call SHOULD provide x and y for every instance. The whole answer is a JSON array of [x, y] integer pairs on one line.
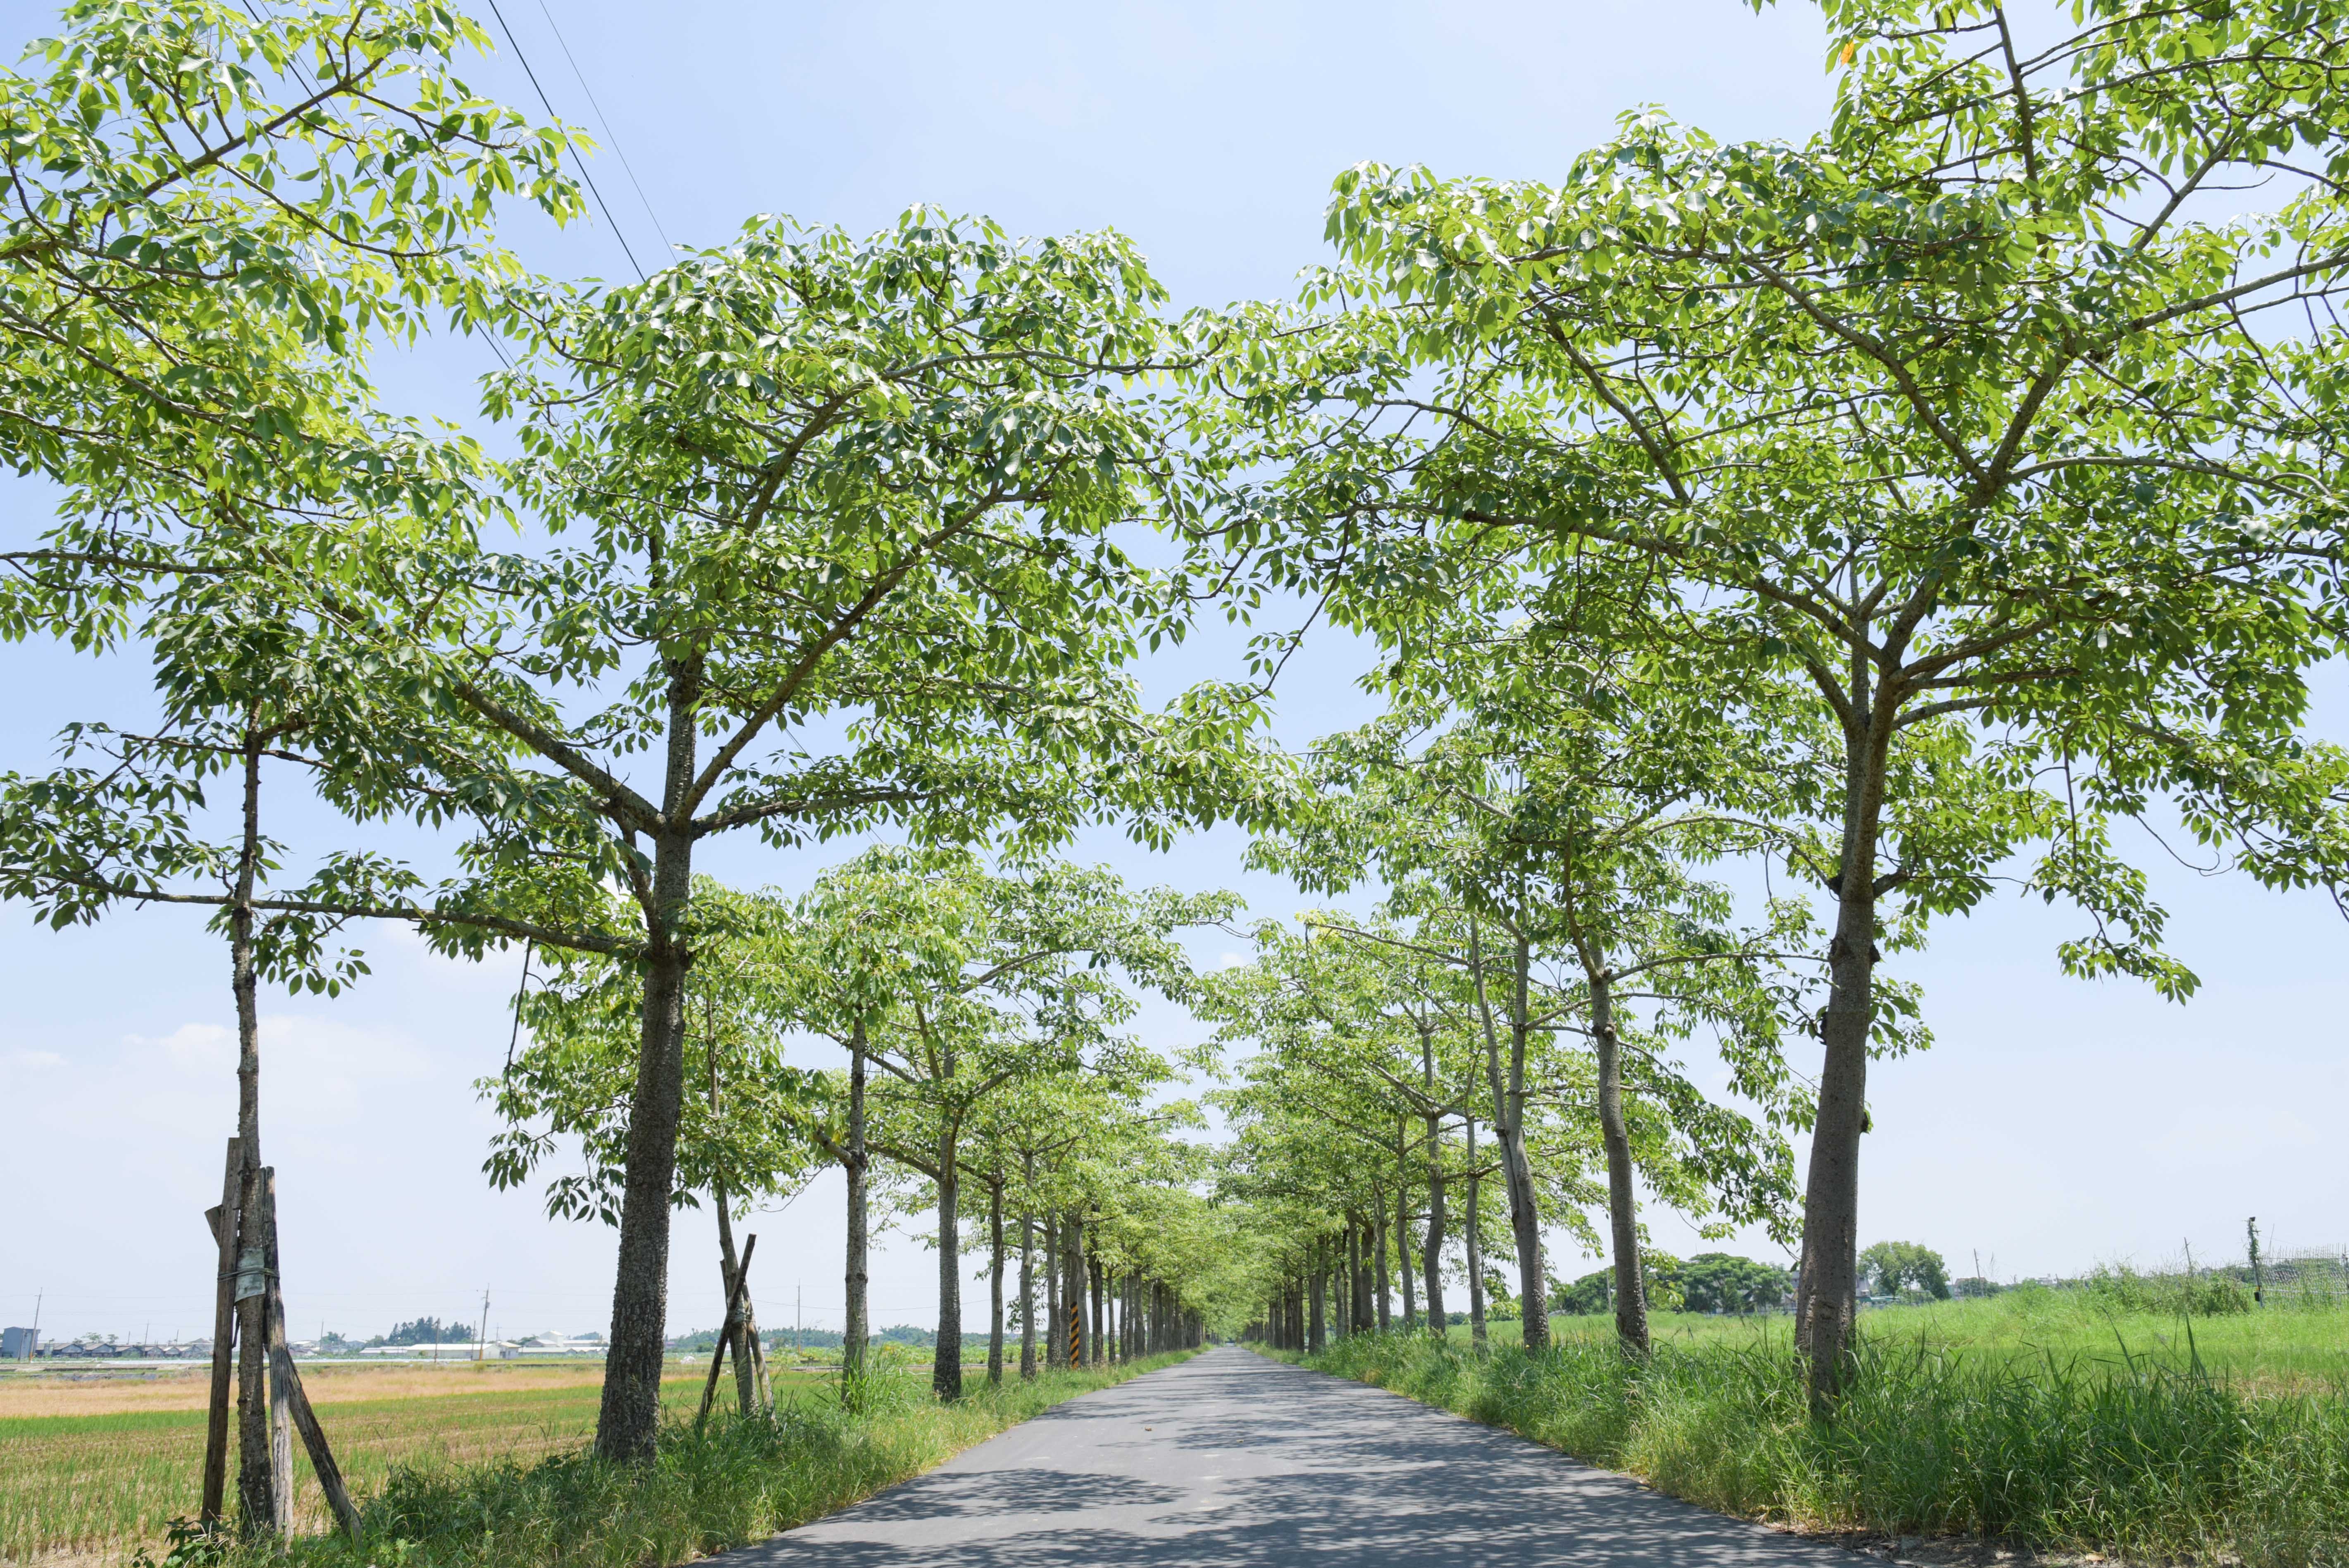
[[559, 1345], [19, 1344]]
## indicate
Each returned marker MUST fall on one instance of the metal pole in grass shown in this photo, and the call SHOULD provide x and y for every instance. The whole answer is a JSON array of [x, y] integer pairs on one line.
[[2259, 1280]]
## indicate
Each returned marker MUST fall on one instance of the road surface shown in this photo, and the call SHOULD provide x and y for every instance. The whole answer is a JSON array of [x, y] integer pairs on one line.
[[1233, 1460]]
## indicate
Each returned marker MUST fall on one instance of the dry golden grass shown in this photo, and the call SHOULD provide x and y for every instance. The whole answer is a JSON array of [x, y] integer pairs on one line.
[[101, 1465], [128, 1393]]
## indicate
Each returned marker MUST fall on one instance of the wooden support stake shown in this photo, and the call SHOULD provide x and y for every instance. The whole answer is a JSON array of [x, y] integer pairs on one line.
[[726, 1329], [223, 1220], [285, 1391], [263, 1232]]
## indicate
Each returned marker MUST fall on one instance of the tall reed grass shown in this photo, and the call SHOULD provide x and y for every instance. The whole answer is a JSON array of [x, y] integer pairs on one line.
[[2137, 1458]]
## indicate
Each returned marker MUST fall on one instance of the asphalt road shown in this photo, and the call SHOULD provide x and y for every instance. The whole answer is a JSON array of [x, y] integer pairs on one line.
[[1230, 1459]]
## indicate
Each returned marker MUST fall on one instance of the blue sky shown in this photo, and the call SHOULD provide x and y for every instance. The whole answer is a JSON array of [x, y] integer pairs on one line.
[[2054, 1124]]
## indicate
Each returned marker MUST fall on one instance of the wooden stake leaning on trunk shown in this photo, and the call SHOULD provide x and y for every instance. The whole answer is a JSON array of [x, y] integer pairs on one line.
[[223, 1220], [286, 1397], [726, 1330]]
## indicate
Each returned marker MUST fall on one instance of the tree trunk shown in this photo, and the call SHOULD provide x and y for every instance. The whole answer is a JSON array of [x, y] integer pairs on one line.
[[629, 1419], [255, 1489], [1055, 1323], [857, 1330], [1358, 1282], [1622, 1201], [945, 1364], [995, 1282], [1382, 1297], [1508, 1121], [1027, 1261], [1100, 1346], [628, 1423], [1474, 1234], [1431, 1253], [1402, 1230], [1826, 1297], [1317, 1332]]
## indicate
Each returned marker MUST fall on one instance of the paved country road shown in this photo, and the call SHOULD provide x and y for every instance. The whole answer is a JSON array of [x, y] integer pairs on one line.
[[1231, 1459]]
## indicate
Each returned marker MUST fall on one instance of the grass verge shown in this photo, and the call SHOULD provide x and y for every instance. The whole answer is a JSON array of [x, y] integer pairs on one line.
[[739, 1481], [2144, 1459]]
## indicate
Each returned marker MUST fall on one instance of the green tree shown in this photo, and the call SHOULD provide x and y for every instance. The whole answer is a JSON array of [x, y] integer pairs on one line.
[[1598, 776], [741, 1132], [850, 512], [248, 686], [1897, 1266], [996, 985], [1355, 1023], [209, 214], [1986, 412], [1038, 989], [1722, 1282]]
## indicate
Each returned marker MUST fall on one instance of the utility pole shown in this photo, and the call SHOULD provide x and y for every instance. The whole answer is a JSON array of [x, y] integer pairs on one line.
[[2259, 1280], [35, 1349], [481, 1340], [799, 1297]]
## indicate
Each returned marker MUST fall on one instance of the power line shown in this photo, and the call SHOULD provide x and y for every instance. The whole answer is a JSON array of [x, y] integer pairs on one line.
[[548, 105], [609, 134]]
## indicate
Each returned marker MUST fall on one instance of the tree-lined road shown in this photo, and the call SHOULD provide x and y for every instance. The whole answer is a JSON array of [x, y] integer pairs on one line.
[[1231, 1459]]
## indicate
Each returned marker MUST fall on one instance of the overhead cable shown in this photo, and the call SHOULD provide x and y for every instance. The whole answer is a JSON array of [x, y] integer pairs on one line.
[[546, 104], [610, 135]]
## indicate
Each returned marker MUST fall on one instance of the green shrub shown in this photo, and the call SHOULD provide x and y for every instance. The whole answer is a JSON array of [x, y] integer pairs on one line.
[[2122, 1289]]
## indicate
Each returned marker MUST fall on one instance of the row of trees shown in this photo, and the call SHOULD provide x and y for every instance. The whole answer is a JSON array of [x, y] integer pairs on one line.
[[1980, 450], [1887, 514], [992, 1082]]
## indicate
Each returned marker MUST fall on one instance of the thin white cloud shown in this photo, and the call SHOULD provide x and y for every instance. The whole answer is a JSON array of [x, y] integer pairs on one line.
[[192, 1047]]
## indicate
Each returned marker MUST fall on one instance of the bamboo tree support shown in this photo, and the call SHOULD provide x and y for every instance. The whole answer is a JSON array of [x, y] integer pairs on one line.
[[286, 1397], [223, 1223], [725, 1331]]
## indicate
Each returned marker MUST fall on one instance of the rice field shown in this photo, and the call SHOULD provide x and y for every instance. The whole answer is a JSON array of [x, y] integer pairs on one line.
[[90, 1465]]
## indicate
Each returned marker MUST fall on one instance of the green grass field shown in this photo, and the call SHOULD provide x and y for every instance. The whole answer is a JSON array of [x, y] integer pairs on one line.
[[2281, 1348], [2037, 1418]]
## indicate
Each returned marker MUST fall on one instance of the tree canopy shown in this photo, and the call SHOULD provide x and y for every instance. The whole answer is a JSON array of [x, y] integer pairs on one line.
[[1763, 550]]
